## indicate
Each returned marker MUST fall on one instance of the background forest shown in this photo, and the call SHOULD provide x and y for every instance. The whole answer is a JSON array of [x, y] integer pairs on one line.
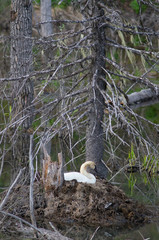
[[60, 81], [81, 78]]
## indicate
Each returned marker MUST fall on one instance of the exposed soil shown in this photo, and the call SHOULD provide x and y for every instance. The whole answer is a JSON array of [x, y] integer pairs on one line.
[[101, 203]]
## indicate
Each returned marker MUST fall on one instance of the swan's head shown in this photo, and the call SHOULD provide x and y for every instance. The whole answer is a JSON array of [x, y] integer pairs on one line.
[[87, 165], [91, 164]]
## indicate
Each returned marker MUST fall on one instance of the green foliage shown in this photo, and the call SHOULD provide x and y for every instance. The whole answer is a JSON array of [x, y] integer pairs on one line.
[[135, 6], [56, 83], [131, 182], [116, 55], [152, 113], [74, 112], [5, 113], [135, 40], [131, 156], [150, 164], [55, 3], [145, 179], [64, 4], [36, 123], [51, 121], [4, 4], [130, 55], [138, 40]]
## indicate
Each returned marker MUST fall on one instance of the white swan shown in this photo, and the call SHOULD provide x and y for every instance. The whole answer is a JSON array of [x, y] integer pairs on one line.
[[83, 176]]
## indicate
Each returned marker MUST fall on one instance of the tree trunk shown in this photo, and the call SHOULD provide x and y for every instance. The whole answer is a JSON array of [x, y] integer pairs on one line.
[[94, 134], [21, 64], [46, 31], [46, 17]]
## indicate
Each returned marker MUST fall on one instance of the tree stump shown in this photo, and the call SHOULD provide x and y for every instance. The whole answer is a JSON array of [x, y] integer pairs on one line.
[[52, 172]]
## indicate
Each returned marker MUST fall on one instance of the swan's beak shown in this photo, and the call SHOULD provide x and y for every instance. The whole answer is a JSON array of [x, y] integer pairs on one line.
[[95, 169]]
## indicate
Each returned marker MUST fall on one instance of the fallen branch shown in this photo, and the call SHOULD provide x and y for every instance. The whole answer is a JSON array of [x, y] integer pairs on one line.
[[47, 234], [145, 97]]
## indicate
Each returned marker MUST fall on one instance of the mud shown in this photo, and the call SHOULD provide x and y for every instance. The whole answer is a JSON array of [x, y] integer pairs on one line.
[[101, 203]]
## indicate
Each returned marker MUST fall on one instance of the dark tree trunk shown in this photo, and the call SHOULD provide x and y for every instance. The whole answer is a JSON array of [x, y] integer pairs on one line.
[[21, 64], [94, 134]]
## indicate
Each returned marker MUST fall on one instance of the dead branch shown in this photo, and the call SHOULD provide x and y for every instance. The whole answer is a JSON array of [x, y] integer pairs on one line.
[[145, 97], [46, 234]]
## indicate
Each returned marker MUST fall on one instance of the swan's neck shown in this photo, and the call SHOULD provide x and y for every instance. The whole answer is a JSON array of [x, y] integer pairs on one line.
[[83, 170]]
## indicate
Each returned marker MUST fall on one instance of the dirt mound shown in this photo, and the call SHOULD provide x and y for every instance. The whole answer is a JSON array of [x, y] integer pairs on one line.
[[100, 203]]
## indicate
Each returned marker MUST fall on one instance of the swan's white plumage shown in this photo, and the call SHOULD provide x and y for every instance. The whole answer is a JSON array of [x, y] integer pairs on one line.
[[79, 177], [83, 176]]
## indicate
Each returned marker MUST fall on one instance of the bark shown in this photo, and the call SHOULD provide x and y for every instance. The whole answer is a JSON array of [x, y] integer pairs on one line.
[[21, 64], [21, 57], [94, 134], [46, 17]]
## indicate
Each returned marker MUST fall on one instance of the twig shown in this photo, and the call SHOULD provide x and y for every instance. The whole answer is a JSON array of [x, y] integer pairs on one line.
[[143, 236], [94, 232], [9, 190], [118, 172], [32, 216]]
